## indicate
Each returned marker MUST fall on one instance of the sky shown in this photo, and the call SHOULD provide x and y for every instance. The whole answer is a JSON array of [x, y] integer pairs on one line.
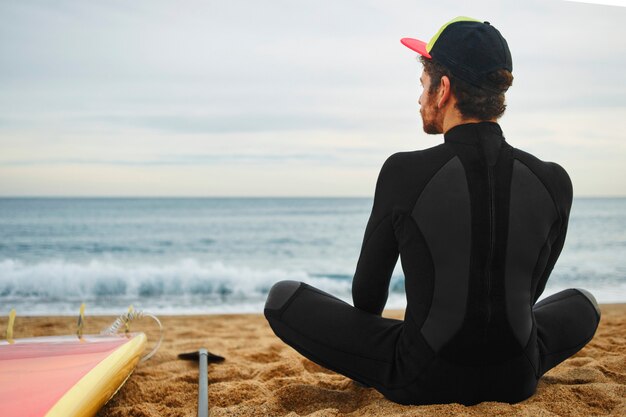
[[283, 98]]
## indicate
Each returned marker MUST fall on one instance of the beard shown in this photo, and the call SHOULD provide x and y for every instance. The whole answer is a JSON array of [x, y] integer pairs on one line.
[[430, 119]]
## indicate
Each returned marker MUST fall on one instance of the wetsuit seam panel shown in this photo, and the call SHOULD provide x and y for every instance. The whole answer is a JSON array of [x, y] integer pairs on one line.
[[548, 189], [290, 300], [553, 234], [419, 329], [547, 240], [540, 278], [595, 308], [432, 175]]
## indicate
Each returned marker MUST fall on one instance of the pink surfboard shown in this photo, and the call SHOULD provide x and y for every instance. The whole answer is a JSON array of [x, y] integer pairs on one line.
[[63, 375]]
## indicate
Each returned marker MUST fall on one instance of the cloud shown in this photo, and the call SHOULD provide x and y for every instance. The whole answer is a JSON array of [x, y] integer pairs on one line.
[[235, 82], [187, 160]]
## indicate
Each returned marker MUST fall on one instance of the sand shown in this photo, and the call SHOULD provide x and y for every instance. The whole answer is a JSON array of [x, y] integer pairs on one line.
[[264, 377]]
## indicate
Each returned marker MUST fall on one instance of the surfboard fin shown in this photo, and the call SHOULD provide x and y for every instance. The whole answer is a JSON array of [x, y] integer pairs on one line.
[[10, 324], [81, 321]]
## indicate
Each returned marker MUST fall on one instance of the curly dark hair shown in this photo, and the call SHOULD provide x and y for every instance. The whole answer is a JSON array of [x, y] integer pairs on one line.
[[472, 102]]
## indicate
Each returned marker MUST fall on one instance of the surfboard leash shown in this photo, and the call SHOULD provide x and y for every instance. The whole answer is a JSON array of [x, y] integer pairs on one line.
[[124, 320]]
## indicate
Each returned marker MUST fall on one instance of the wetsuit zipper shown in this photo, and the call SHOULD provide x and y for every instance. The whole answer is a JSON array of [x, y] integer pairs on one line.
[[491, 240]]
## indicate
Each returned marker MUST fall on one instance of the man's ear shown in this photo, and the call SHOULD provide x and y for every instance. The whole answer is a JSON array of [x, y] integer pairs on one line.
[[444, 92]]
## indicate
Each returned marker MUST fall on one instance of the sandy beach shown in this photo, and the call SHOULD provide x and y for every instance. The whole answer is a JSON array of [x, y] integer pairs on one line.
[[264, 377]]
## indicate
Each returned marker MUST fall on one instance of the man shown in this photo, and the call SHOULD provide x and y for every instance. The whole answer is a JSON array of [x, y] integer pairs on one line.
[[479, 226]]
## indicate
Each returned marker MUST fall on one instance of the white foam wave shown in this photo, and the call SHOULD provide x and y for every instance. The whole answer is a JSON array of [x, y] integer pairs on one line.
[[187, 286], [178, 286], [58, 279]]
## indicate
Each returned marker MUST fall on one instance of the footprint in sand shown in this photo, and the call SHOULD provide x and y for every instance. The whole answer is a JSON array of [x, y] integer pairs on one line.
[[263, 357], [576, 376], [277, 370], [618, 377], [306, 399]]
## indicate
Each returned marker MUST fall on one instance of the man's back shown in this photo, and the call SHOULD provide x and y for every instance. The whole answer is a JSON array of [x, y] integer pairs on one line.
[[479, 226]]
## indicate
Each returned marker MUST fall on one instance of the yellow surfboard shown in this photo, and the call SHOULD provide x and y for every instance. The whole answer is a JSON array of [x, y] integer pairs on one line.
[[64, 376]]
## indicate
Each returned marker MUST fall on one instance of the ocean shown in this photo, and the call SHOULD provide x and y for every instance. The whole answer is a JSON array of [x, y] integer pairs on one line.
[[221, 255]]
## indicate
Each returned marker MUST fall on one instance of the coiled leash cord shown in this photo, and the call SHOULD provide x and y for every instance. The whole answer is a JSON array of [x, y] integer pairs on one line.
[[124, 320]]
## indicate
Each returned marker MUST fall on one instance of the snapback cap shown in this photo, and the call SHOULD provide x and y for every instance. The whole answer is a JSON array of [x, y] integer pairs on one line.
[[469, 48]]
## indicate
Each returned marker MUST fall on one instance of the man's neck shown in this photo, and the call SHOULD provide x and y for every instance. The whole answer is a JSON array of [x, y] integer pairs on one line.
[[452, 116], [450, 122]]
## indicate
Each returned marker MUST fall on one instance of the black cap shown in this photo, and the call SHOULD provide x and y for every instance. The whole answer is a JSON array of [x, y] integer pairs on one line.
[[469, 48]]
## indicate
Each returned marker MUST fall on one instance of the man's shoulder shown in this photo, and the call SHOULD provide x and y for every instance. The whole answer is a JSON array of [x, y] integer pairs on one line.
[[551, 174], [403, 171], [538, 166], [417, 157]]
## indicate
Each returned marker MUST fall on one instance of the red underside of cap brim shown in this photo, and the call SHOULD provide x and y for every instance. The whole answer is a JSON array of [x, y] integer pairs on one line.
[[416, 45]]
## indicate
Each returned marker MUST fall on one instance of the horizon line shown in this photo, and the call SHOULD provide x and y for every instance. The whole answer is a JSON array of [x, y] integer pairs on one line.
[[225, 196]]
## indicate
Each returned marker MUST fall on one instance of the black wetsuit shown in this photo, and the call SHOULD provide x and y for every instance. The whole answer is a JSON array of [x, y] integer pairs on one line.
[[479, 226]]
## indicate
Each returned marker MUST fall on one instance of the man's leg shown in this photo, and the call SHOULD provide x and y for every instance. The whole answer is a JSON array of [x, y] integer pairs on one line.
[[333, 333], [566, 321]]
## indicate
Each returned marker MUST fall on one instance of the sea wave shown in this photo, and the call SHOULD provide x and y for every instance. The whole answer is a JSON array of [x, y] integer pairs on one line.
[[60, 278], [191, 286], [179, 286]]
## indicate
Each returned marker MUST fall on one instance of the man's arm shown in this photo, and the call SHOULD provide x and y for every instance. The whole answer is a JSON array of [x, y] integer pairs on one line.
[[379, 251], [564, 200]]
